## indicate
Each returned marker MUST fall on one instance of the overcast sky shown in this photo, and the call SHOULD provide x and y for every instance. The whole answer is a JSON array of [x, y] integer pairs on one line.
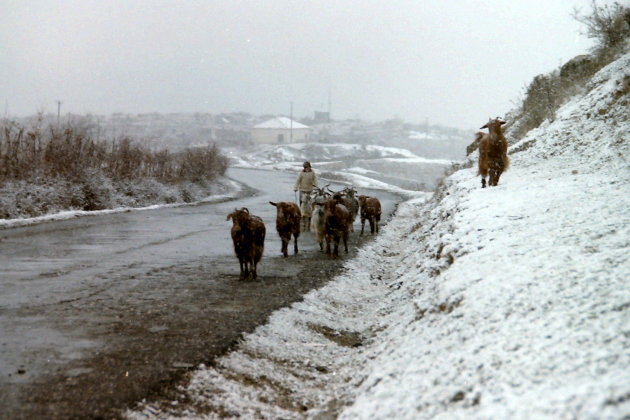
[[452, 62]]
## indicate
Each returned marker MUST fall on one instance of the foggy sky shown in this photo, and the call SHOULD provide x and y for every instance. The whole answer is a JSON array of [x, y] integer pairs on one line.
[[452, 62]]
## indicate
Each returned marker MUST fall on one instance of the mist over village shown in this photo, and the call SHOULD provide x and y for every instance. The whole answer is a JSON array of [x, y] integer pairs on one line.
[[314, 210]]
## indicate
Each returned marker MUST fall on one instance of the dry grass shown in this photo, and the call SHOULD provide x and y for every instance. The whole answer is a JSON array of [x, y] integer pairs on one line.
[[69, 154], [43, 170]]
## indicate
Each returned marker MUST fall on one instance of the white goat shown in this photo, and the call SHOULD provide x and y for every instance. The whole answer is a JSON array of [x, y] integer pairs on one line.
[[317, 221]]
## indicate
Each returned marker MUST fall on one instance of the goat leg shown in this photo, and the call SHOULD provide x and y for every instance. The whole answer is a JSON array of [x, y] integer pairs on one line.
[[285, 246], [295, 244], [240, 262]]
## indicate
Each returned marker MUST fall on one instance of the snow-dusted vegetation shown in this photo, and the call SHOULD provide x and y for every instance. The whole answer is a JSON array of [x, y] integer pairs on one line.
[[47, 169], [505, 302]]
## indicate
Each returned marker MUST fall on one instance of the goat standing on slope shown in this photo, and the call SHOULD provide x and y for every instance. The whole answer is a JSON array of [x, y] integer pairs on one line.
[[248, 236], [493, 159]]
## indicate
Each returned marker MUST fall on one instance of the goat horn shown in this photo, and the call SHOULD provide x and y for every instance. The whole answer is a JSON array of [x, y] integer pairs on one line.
[[245, 209]]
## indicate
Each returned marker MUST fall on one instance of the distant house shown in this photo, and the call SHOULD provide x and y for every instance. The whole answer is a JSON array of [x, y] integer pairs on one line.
[[281, 130]]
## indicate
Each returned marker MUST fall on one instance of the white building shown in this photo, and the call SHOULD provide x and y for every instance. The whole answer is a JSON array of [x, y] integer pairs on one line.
[[281, 130]]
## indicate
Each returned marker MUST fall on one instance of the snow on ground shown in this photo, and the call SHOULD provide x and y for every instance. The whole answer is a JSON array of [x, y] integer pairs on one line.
[[233, 187], [361, 181], [392, 168], [273, 154], [505, 302]]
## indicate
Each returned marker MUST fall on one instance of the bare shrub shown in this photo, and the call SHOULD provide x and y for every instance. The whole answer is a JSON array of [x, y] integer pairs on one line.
[[201, 164], [610, 26], [52, 169], [71, 154]]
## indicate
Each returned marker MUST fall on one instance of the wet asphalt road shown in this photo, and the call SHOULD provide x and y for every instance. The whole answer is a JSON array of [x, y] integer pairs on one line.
[[54, 273]]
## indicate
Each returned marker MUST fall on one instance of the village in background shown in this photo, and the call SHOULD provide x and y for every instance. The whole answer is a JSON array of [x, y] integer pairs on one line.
[[244, 131]]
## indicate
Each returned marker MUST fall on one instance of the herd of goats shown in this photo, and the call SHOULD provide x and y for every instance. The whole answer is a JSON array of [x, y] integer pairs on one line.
[[328, 214]]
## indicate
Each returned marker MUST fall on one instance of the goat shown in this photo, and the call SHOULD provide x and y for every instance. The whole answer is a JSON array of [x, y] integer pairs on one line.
[[248, 235], [493, 159], [351, 202], [288, 219], [336, 224], [317, 221], [346, 197], [371, 211]]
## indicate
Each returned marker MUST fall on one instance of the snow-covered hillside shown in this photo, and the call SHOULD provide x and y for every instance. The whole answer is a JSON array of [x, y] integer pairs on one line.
[[357, 164], [505, 302]]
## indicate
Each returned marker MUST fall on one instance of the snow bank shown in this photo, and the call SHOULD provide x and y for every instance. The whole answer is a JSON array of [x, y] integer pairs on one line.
[[230, 189], [519, 298], [506, 302]]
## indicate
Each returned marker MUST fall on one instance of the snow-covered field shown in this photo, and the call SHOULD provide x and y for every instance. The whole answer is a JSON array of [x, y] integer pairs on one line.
[[506, 302], [387, 167]]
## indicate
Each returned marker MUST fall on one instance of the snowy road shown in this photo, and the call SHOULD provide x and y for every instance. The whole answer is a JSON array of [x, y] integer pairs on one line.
[[70, 287]]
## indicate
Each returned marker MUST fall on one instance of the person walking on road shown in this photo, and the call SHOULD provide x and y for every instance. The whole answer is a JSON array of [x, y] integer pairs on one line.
[[305, 181]]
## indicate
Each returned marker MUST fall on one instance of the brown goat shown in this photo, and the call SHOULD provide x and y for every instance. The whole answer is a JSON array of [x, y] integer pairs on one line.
[[493, 159], [371, 211], [337, 220], [352, 204], [248, 235], [348, 199], [288, 220]]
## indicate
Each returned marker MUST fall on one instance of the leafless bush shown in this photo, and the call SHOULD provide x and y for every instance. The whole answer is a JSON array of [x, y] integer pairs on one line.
[[48, 170], [201, 164], [610, 26], [71, 154]]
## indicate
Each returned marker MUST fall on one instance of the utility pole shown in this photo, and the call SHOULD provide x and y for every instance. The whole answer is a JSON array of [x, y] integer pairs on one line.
[[291, 124], [329, 103], [58, 111]]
